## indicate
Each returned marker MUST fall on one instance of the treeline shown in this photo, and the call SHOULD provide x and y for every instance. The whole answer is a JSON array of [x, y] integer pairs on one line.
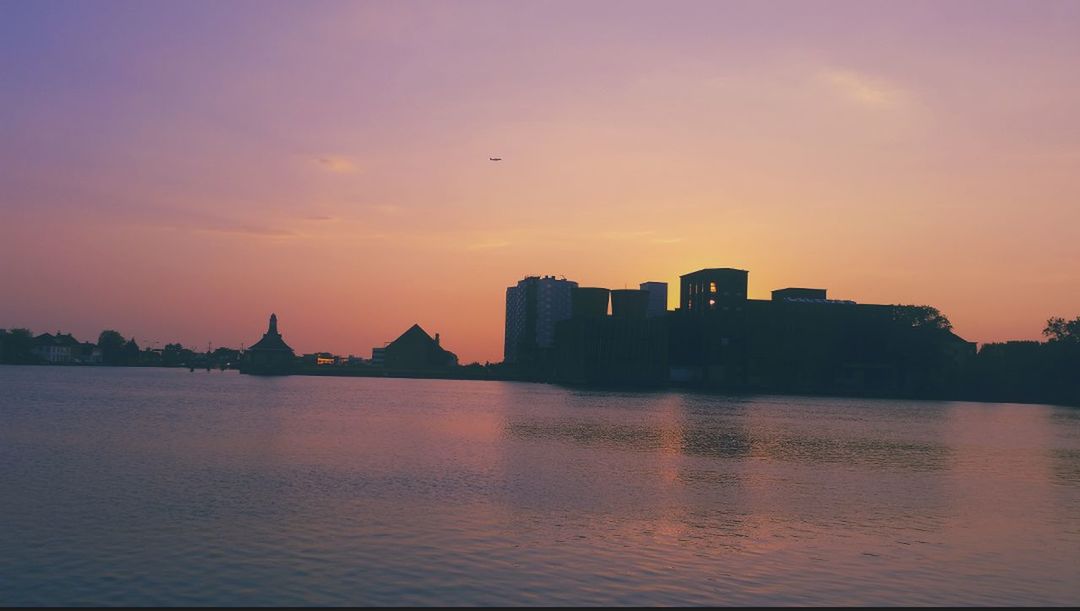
[[116, 350], [1030, 371], [22, 347], [16, 346], [176, 355]]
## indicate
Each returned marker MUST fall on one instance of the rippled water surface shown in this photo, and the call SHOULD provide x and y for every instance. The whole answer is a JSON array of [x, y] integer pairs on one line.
[[144, 486]]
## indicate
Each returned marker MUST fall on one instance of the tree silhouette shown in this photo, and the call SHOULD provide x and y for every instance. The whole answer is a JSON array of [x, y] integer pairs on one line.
[[1061, 330], [16, 346], [130, 354], [922, 317], [111, 344]]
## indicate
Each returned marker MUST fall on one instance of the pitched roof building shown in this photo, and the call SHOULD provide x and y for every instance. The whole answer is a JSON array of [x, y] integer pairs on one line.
[[59, 348], [416, 350]]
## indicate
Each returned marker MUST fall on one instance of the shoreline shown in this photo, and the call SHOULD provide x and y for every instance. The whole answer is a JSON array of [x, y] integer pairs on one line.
[[671, 387]]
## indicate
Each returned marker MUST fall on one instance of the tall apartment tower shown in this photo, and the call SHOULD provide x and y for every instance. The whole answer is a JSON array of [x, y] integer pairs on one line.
[[657, 298], [533, 307]]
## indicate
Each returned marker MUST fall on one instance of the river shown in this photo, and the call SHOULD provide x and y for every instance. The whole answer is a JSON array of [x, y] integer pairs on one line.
[[167, 487]]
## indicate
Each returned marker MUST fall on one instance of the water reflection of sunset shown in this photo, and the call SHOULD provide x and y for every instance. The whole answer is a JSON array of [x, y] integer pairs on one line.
[[383, 490]]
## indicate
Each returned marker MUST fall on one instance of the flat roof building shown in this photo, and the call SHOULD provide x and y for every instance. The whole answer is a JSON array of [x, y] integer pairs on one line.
[[713, 289], [798, 293], [657, 298]]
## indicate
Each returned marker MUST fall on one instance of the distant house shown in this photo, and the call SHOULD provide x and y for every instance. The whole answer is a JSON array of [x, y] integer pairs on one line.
[[959, 349], [378, 357], [57, 349], [89, 353], [321, 359], [416, 350]]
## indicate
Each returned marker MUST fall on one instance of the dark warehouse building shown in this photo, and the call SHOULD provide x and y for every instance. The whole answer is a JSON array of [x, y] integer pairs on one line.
[[624, 349]]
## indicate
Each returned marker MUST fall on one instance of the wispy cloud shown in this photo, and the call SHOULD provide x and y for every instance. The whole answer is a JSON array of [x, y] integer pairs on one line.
[[230, 228], [200, 222], [489, 245], [337, 165], [865, 90], [248, 230]]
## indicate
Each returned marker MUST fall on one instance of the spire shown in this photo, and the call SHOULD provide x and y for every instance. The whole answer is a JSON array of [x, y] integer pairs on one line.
[[273, 325]]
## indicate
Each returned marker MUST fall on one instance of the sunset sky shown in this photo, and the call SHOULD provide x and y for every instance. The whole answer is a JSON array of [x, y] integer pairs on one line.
[[178, 171]]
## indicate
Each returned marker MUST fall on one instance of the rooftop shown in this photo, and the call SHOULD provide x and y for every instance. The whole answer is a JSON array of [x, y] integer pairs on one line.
[[714, 270], [271, 340]]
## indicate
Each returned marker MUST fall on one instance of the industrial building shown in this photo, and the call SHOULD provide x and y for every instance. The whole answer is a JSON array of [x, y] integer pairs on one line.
[[797, 341], [801, 341], [626, 348]]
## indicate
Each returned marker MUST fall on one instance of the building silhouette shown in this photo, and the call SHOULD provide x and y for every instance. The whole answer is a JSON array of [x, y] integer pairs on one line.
[[378, 356], [270, 355], [90, 354], [713, 290], [798, 341], [630, 303], [799, 294], [801, 341], [61, 348], [415, 350], [533, 308], [589, 301], [627, 348], [657, 298]]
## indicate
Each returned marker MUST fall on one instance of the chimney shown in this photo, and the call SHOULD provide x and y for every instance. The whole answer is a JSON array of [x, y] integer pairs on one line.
[[436, 339]]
